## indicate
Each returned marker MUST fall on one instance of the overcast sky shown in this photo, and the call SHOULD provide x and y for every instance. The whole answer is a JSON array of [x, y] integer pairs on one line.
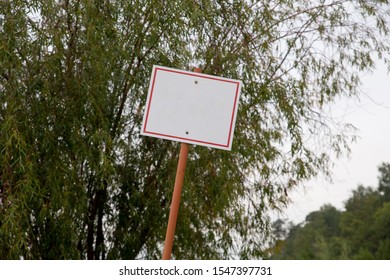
[[371, 115]]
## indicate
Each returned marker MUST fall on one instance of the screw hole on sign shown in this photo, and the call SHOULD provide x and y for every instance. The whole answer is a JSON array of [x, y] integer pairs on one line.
[[187, 132], [196, 82]]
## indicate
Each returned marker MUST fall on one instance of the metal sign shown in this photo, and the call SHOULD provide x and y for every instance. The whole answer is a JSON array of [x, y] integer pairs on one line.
[[191, 108]]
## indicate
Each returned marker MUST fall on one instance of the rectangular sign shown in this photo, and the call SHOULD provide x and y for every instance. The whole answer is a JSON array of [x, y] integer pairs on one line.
[[191, 107]]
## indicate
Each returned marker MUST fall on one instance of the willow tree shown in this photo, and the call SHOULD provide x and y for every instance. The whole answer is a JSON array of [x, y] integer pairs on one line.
[[76, 178]]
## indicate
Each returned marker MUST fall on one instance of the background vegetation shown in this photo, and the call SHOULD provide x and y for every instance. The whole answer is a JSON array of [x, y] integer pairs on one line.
[[361, 231]]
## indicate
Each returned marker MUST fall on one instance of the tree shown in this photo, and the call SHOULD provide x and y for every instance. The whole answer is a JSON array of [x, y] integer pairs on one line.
[[361, 231], [381, 232], [316, 238], [77, 180], [355, 223], [384, 181]]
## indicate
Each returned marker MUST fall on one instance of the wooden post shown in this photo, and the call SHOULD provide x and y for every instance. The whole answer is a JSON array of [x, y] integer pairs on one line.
[[181, 167], [174, 211]]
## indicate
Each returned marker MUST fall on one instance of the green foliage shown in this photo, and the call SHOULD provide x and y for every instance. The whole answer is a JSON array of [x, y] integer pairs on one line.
[[384, 181], [360, 209], [77, 180], [362, 231], [316, 238]]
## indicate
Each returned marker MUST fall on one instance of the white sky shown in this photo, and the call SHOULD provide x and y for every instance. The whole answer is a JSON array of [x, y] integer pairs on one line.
[[371, 115]]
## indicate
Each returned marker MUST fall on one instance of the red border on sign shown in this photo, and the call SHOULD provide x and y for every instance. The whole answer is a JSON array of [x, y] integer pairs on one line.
[[195, 75]]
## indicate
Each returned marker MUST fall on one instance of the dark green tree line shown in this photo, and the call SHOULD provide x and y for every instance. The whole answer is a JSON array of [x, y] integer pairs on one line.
[[361, 231], [77, 180]]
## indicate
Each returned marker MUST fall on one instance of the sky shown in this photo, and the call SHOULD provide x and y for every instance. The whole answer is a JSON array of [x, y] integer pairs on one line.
[[371, 115]]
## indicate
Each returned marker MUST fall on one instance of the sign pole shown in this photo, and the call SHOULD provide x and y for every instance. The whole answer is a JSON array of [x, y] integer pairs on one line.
[[174, 211]]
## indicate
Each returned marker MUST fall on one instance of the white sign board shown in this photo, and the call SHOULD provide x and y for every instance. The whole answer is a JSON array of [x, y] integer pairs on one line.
[[191, 107]]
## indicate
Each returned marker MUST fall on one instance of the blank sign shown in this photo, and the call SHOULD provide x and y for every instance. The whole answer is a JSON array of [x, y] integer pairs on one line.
[[191, 107]]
